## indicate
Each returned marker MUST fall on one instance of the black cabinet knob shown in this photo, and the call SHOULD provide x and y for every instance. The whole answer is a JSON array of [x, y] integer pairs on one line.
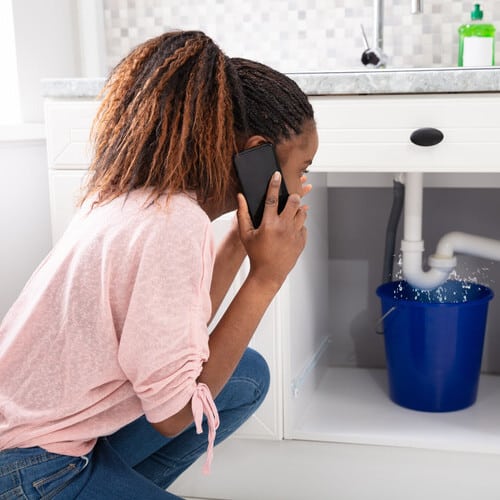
[[427, 136]]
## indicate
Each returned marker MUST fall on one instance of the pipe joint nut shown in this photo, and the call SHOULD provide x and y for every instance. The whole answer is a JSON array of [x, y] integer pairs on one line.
[[412, 246], [442, 262]]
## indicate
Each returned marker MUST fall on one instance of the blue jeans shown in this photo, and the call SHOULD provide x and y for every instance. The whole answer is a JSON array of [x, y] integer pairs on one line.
[[136, 462]]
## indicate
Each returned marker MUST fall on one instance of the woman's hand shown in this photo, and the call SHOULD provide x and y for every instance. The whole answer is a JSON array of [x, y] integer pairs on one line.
[[274, 247]]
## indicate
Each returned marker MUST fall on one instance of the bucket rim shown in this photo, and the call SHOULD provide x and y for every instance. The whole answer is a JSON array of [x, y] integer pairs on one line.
[[488, 295]]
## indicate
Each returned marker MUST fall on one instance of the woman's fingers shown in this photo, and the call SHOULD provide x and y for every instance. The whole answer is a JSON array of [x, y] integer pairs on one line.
[[273, 248], [293, 211], [293, 204], [244, 219], [301, 216], [272, 197], [306, 188]]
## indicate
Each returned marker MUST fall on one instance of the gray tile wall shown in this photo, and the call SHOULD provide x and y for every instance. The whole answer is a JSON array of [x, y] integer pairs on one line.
[[300, 35]]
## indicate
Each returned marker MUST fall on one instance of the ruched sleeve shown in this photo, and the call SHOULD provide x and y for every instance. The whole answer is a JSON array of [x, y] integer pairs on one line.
[[164, 340]]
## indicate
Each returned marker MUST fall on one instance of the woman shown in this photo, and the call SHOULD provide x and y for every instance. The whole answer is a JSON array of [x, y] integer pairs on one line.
[[106, 365]]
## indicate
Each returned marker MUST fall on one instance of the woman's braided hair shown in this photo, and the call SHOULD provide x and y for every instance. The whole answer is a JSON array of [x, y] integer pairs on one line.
[[176, 110]]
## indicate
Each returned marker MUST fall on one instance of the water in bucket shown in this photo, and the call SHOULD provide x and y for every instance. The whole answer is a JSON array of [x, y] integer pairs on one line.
[[434, 343]]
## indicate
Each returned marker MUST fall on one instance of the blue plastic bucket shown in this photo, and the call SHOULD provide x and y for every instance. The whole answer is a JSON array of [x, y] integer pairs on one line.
[[434, 343]]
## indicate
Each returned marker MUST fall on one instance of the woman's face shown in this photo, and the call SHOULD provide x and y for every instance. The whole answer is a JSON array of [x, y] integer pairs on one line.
[[295, 155]]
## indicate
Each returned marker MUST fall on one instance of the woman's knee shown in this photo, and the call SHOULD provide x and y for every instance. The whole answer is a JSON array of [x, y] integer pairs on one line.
[[250, 381], [257, 368]]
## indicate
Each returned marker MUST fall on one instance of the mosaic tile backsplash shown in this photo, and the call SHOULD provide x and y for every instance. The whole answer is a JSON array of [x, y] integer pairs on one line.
[[301, 35]]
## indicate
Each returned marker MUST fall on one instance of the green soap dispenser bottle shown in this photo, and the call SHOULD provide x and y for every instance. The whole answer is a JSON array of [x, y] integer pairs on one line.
[[476, 41]]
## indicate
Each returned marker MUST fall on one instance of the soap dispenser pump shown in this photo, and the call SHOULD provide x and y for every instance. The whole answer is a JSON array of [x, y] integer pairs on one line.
[[476, 41]]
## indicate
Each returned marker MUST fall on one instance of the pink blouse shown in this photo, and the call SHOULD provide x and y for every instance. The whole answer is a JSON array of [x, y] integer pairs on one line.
[[112, 325]]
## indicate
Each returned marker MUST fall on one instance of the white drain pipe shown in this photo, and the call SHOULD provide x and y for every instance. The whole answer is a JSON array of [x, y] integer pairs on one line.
[[444, 260], [412, 246]]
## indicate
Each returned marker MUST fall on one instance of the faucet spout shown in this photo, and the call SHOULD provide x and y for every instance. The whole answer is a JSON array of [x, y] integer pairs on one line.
[[417, 6], [378, 24], [376, 53]]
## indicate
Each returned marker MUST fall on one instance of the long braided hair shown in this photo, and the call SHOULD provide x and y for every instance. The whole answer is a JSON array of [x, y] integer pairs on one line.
[[176, 110]]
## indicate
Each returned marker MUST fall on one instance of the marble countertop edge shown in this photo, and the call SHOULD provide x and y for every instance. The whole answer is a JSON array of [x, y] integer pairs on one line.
[[445, 80], [347, 82]]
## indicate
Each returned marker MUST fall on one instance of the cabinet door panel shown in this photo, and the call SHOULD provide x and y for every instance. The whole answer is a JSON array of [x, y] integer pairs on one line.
[[64, 188], [68, 130], [267, 421]]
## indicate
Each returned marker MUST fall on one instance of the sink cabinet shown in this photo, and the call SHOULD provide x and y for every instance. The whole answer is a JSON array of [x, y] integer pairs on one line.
[[371, 133], [327, 422]]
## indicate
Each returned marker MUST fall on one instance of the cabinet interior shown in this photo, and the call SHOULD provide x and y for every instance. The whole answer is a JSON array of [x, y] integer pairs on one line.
[[335, 380]]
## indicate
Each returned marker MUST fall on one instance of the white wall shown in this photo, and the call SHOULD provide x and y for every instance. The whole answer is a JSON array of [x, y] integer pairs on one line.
[[47, 46], [24, 215]]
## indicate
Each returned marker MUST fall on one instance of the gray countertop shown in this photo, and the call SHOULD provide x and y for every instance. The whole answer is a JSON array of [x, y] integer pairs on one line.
[[385, 81]]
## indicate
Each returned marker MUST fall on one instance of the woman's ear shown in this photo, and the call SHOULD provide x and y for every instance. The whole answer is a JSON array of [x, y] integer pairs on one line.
[[255, 140]]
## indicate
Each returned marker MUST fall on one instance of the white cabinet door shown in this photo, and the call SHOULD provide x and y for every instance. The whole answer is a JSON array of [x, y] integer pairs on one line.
[[64, 189], [68, 125], [267, 422]]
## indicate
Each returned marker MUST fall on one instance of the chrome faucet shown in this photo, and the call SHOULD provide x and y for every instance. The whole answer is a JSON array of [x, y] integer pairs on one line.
[[417, 6], [375, 56]]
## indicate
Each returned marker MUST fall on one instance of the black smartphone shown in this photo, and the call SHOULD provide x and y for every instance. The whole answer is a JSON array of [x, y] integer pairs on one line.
[[255, 167]]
